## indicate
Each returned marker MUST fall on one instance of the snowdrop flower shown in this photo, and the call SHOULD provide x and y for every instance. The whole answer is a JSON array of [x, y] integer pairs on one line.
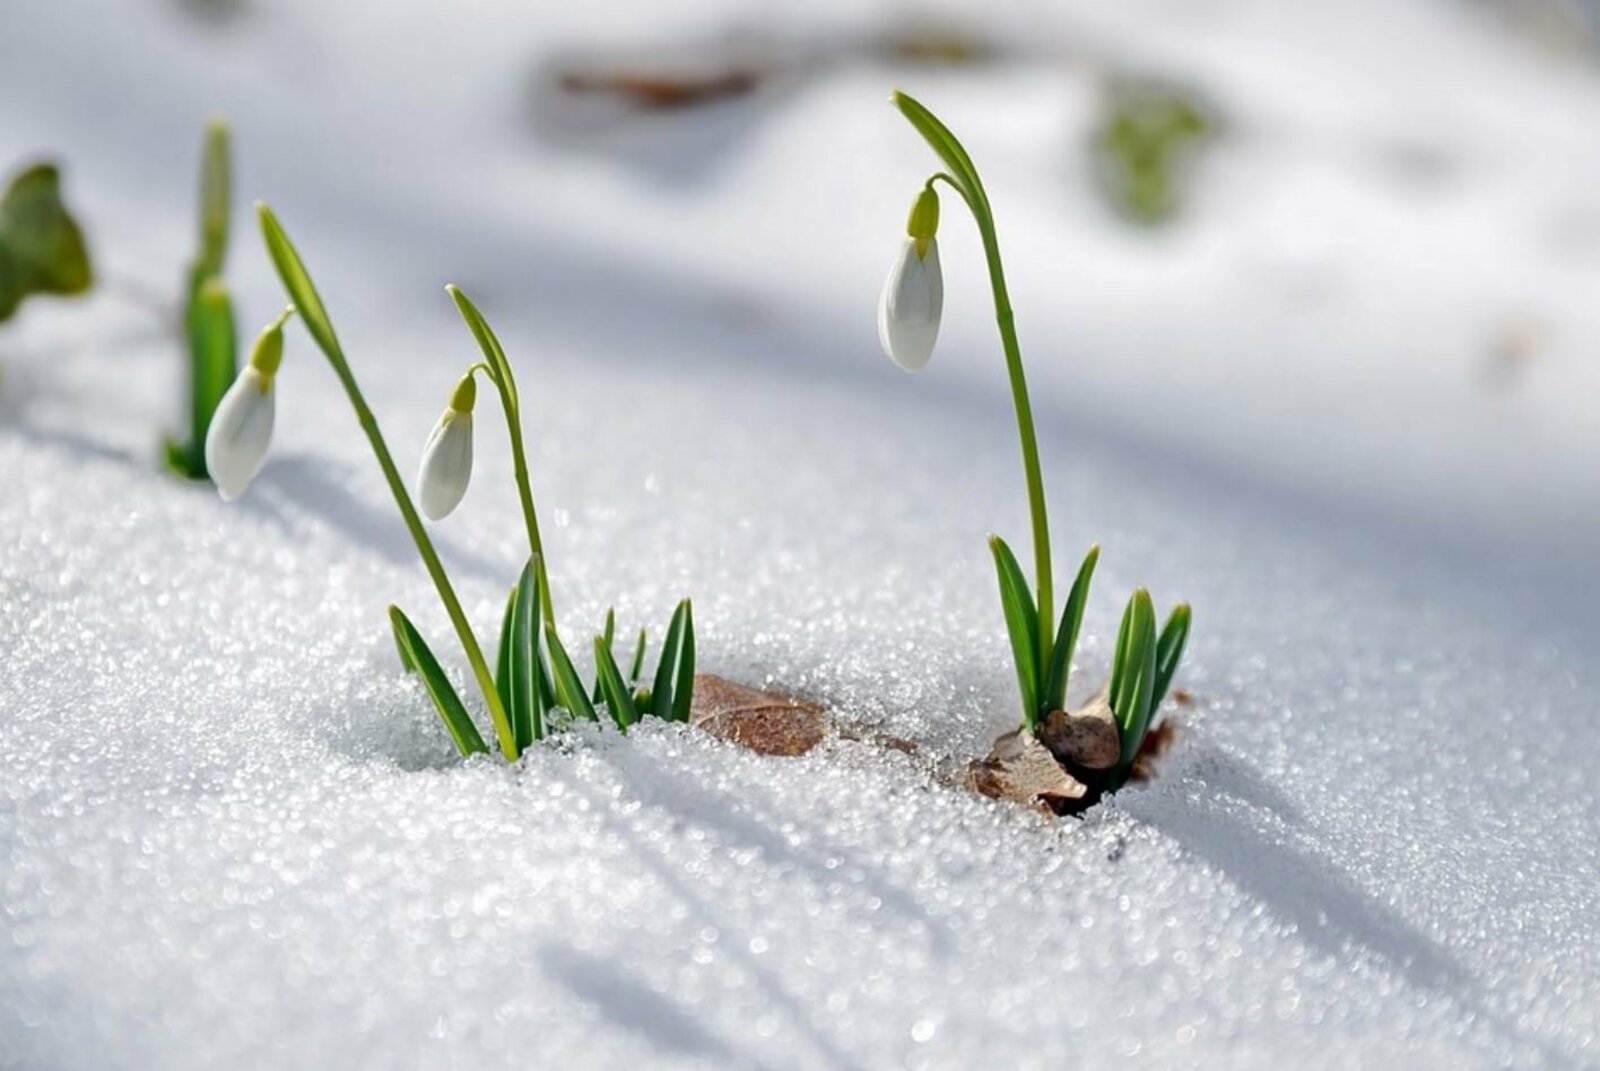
[[447, 458], [913, 296], [241, 427]]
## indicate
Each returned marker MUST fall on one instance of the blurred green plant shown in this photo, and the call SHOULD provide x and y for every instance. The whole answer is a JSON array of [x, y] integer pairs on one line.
[[208, 321], [1144, 145], [42, 250], [535, 688], [1041, 647]]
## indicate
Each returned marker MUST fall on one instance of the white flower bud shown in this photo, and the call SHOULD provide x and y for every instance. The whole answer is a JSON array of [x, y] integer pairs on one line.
[[446, 467], [913, 301], [240, 432]]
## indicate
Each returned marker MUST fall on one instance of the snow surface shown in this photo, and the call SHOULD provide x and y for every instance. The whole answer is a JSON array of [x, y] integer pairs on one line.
[[234, 835]]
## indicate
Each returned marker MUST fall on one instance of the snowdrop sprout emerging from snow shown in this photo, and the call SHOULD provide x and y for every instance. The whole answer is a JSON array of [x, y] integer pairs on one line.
[[913, 295], [446, 467], [241, 428]]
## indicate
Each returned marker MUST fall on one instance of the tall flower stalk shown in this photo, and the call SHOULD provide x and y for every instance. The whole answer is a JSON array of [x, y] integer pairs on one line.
[[1042, 647], [498, 369], [297, 281]]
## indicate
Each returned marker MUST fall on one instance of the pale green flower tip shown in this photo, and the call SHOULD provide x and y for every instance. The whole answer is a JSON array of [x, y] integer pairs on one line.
[[923, 223], [267, 354], [465, 396]]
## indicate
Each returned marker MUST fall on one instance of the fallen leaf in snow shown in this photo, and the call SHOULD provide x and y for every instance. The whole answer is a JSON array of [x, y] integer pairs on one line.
[[1086, 737], [1021, 769], [763, 722]]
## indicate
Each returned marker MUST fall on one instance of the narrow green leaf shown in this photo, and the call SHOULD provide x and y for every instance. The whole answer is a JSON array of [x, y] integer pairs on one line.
[[608, 633], [526, 718], [297, 281], [1067, 635], [612, 687], [1133, 717], [569, 689], [216, 188], [1120, 662], [488, 341], [407, 663], [445, 700], [638, 659], [1022, 625], [502, 659], [213, 358], [1169, 651], [946, 144], [542, 679], [661, 689], [683, 681]]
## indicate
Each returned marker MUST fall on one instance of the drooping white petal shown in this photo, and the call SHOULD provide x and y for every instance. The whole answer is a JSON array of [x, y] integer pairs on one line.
[[446, 467], [240, 432], [913, 301]]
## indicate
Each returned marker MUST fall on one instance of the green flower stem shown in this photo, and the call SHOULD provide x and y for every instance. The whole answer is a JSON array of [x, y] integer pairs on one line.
[[966, 182], [298, 282], [498, 368], [430, 558]]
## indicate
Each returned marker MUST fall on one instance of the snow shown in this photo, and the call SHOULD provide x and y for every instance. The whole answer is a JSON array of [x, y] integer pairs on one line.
[[233, 834]]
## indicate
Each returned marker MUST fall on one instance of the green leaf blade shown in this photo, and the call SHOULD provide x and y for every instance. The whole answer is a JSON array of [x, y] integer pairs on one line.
[[683, 679], [661, 687], [457, 722], [216, 195], [1060, 667], [1022, 626], [297, 281], [638, 658], [1133, 713], [493, 352], [1169, 650], [526, 717], [502, 659], [612, 687], [570, 691], [943, 142]]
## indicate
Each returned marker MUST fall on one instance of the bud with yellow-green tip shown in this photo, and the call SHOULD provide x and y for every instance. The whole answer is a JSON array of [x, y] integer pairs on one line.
[[446, 467], [913, 297], [241, 428]]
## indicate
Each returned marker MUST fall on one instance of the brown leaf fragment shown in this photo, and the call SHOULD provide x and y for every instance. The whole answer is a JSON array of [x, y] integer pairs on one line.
[[761, 721], [1151, 750], [1021, 769], [1087, 737], [661, 91]]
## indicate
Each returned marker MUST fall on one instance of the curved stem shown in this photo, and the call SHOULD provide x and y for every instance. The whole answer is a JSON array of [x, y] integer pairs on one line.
[[303, 293], [966, 182], [1027, 436], [430, 559], [499, 368]]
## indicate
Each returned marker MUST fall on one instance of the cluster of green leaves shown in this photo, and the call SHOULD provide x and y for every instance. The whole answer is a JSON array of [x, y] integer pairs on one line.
[[1142, 666], [1142, 669], [208, 321], [1142, 146], [538, 683], [41, 246]]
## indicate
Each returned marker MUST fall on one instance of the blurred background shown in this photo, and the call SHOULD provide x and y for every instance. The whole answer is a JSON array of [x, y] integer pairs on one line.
[[1346, 255]]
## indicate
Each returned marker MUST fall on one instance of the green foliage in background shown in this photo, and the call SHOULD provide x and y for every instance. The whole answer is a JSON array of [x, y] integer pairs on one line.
[[208, 320], [1144, 145], [41, 246]]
